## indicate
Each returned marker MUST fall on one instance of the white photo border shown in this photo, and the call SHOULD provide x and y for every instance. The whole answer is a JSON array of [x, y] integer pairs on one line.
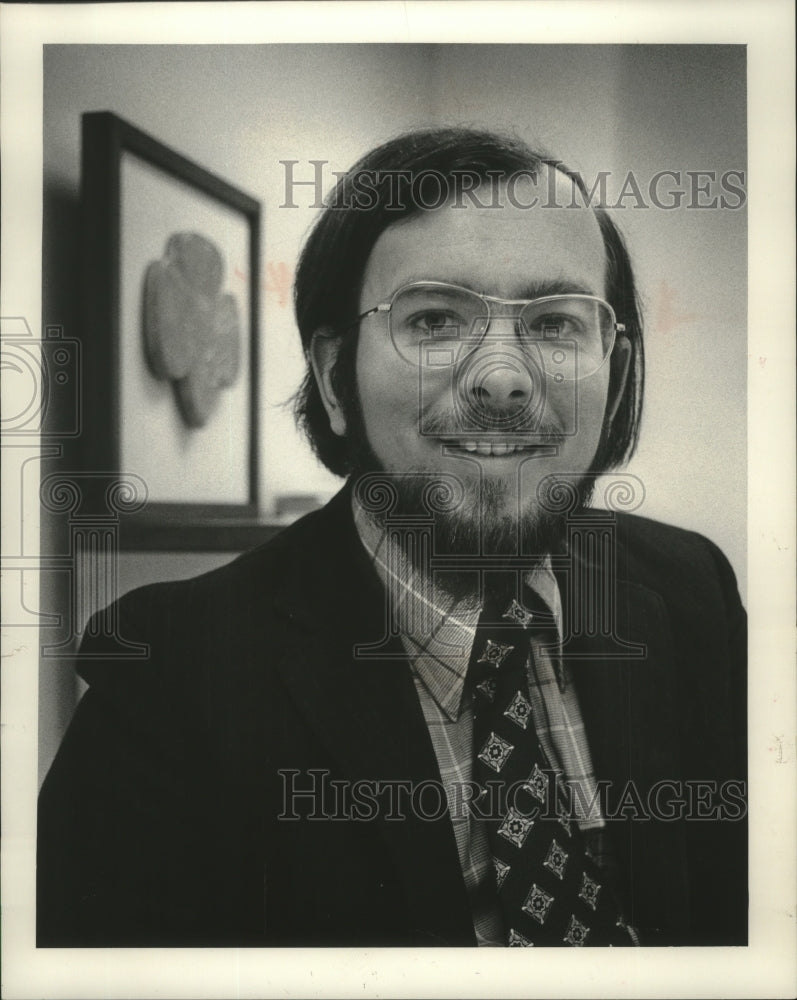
[[767, 966]]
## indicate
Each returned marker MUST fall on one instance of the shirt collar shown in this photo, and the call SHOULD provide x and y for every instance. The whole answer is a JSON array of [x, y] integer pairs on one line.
[[436, 629]]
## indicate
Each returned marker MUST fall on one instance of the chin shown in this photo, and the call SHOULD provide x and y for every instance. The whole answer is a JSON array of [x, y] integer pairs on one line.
[[470, 524], [475, 512]]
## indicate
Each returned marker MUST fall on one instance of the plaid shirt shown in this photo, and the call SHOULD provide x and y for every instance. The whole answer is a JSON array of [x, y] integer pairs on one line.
[[438, 634]]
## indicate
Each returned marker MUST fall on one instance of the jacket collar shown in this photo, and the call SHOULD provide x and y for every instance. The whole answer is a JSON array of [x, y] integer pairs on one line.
[[349, 677], [625, 679]]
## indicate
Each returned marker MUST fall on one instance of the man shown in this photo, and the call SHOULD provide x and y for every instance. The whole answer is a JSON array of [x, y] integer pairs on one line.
[[457, 706]]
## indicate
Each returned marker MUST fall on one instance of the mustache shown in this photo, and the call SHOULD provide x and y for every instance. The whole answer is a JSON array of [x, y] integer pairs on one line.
[[449, 425]]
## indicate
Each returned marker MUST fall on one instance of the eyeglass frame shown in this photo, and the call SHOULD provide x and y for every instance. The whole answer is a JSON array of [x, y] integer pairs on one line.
[[385, 307]]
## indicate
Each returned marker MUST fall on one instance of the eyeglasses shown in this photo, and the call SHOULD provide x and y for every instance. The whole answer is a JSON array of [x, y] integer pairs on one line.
[[435, 324]]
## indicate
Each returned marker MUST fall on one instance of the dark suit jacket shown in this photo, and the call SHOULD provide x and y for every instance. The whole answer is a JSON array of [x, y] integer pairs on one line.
[[159, 822]]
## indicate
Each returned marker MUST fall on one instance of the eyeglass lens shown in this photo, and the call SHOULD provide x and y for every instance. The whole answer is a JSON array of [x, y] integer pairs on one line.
[[569, 336]]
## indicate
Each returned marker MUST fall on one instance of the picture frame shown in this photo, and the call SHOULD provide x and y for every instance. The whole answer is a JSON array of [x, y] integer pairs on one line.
[[170, 262]]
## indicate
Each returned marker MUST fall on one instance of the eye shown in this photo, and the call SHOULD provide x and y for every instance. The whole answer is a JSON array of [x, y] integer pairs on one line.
[[555, 326], [436, 323]]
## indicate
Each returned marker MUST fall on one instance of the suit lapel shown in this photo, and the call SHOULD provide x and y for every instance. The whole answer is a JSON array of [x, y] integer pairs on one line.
[[629, 709], [364, 708]]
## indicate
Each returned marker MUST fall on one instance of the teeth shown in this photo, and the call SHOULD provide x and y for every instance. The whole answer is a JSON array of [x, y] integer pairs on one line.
[[495, 448]]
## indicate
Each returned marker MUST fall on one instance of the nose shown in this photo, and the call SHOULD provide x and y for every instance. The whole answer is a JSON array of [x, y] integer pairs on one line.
[[502, 380], [499, 387], [498, 379], [497, 391]]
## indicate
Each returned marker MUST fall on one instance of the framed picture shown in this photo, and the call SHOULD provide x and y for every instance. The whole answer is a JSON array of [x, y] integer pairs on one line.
[[170, 281]]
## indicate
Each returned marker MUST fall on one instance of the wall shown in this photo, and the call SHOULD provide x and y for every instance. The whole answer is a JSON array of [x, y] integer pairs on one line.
[[240, 110]]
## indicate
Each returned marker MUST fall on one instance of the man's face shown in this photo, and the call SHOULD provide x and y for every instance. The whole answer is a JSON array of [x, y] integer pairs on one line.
[[412, 416]]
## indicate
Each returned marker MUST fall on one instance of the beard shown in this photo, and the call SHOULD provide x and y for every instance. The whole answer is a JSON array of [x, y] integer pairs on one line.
[[476, 527]]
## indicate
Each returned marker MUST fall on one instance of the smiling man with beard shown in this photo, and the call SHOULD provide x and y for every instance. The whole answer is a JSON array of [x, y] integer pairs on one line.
[[457, 706]]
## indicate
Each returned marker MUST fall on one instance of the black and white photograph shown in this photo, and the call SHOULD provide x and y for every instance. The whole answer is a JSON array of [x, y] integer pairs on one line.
[[398, 517]]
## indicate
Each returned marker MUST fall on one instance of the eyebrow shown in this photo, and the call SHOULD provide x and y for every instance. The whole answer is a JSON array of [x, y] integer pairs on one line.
[[541, 289]]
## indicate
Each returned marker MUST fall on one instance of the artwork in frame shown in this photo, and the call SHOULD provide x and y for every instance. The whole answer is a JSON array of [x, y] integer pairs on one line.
[[170, 281]]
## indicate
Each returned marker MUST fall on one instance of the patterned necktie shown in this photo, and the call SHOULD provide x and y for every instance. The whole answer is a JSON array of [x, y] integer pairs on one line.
[[550, 890]]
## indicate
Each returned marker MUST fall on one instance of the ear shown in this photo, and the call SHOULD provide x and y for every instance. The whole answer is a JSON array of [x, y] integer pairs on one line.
[[621, 365], [323, 352]]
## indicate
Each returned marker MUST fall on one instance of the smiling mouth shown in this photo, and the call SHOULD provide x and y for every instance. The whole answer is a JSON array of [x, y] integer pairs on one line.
[[499, 449]]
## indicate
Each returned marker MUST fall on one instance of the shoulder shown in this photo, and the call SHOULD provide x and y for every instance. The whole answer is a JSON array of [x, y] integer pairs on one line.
[[666, 544], [676, 562], [257, 574], [218, 613]]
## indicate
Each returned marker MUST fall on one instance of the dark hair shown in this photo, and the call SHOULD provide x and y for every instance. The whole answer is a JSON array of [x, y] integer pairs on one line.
[[334, 258]]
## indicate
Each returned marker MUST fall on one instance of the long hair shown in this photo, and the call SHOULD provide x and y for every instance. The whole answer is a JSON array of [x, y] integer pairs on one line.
[[363, 204]]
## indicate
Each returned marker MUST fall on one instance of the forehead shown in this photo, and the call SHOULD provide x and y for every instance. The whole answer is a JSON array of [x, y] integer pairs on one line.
[[501, 249]]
